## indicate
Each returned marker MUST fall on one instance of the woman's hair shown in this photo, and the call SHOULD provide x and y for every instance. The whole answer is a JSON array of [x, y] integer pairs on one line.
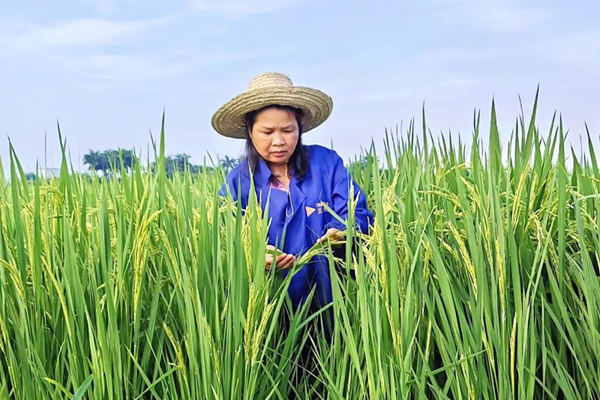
[[299, 158]]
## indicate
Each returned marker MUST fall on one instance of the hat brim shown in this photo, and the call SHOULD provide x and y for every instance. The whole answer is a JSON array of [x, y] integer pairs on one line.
[[229, 120]]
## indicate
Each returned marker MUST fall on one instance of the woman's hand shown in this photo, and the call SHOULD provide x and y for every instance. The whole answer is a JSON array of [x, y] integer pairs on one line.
[[333, 235], [283, 260]]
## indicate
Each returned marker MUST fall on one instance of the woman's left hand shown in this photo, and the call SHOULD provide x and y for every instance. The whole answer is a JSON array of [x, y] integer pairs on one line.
[[333, 235]]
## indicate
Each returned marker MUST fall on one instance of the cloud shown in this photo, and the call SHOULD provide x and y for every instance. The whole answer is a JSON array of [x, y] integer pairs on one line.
[[78, 32], [428, 75], [574, 49], [102, 6], [449, 57], [239, 9], [100, 49], [136, 67], [500, 16], [375, 96], [458, 83]]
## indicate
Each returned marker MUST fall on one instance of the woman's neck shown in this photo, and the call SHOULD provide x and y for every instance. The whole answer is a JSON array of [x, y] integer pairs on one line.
[[280, 171]]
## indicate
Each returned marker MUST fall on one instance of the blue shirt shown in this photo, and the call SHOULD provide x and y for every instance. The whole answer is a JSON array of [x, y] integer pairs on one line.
[[300, 213]]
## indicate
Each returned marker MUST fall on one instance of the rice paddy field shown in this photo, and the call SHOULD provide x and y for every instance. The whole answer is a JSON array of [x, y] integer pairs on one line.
[[479, 280]]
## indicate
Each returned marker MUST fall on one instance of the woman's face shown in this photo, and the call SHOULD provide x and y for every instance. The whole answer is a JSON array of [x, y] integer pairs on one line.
[[275, 135]]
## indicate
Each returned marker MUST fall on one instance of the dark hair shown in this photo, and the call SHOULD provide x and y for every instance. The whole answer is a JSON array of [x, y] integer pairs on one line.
[[299, 158]]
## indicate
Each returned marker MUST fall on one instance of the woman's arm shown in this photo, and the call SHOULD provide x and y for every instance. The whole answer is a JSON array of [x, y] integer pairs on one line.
[[340, 196], [282, 260]]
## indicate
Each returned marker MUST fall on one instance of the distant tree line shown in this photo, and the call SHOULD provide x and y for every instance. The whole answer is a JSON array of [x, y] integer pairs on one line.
[[109, 162]]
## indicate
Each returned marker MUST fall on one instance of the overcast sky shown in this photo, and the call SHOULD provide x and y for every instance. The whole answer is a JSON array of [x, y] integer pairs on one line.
[[106, 69]]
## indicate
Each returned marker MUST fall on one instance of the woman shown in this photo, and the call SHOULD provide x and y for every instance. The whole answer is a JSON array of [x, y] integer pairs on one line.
[[296, 179]]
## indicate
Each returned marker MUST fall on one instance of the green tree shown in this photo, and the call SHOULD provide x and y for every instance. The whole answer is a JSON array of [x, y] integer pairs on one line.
[[109, 161], [92, 160], [228, 163]]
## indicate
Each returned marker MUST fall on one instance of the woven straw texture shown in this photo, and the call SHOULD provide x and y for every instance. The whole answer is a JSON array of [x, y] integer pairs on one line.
[[268, 89]]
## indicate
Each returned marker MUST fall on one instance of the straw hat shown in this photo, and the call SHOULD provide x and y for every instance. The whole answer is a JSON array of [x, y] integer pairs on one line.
[[269, 89]]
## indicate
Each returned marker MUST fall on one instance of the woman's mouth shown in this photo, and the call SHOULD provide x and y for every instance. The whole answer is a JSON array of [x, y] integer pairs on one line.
[[279, 153]]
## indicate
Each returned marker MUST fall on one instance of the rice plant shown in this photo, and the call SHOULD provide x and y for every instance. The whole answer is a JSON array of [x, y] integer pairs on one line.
[[479, 280]]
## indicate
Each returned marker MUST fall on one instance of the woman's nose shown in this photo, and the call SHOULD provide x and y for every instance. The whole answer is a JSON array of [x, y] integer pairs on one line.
[[278, 139]]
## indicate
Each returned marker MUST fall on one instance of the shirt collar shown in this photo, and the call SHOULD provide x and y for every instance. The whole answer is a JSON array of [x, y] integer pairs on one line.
[[262, 175]]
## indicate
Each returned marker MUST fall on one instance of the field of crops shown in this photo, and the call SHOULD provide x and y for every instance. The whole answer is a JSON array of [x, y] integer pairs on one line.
[[480, 280]]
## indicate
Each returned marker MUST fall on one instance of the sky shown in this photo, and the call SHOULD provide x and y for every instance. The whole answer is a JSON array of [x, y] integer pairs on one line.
[[105, 69]]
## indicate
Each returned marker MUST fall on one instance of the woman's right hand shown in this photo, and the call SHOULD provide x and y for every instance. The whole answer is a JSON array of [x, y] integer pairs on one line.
[[283, 261]]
